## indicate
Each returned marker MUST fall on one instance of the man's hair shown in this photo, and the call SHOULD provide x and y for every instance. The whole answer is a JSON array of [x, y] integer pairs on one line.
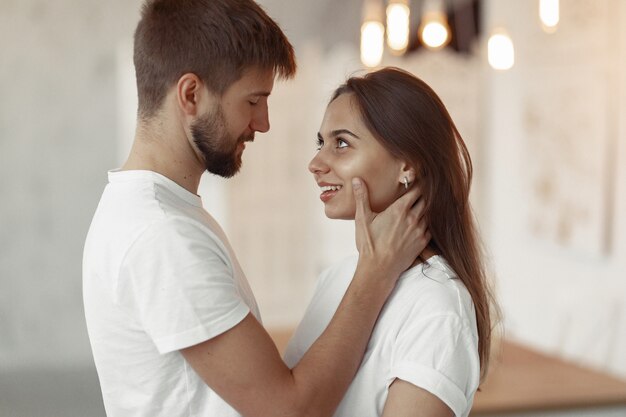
[[215, 39]]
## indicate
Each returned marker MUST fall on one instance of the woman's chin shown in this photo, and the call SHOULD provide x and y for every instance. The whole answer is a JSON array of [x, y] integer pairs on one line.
[[339, 215]]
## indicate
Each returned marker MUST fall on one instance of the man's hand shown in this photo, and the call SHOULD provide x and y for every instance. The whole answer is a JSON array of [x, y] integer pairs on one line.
[[390, 241], [243, 366]]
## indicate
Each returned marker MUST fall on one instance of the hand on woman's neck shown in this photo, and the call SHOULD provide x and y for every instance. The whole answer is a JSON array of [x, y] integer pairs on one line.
[[426, 254]]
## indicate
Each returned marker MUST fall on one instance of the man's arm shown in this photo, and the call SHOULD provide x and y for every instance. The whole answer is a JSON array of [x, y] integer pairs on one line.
[[408, 400], [243, 365]]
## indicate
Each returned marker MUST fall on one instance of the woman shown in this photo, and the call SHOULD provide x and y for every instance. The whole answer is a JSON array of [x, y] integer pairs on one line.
[[430, 347]]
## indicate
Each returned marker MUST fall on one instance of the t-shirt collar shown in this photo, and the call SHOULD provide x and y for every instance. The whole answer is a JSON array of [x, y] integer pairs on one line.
[[117, 175]]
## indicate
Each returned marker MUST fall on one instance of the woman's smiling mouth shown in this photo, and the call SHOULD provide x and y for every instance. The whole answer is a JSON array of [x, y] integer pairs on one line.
[[329, 191]]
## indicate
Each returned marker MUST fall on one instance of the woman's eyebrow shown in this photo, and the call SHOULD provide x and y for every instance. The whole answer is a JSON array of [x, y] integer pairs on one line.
[[343, 131]]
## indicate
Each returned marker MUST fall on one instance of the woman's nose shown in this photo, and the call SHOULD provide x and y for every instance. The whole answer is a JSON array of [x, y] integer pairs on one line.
[[318, 164]]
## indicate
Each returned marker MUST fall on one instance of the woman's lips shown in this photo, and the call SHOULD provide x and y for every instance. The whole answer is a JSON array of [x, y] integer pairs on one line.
[[327, 195], [329, 191]]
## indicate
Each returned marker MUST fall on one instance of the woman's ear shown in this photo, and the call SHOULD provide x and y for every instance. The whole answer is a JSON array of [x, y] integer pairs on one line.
[[407, 174]]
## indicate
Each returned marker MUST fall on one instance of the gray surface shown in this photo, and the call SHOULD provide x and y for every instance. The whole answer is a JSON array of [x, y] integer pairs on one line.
[[589, 412], [58, 393], [76, 393]]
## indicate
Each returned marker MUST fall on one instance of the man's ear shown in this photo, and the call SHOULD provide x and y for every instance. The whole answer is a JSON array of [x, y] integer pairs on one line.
[[189, 91]]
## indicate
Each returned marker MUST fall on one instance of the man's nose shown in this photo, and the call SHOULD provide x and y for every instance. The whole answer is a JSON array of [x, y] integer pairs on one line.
[[260, 121]]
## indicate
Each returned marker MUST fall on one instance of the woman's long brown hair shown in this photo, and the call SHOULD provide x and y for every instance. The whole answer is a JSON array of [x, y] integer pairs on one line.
[[412, 123]]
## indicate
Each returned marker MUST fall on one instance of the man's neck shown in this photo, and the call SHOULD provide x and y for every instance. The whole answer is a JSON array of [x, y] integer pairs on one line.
[[167, 152]]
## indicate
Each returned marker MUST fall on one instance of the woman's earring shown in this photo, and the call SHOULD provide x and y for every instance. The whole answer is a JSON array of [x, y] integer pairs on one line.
[[405, 180]]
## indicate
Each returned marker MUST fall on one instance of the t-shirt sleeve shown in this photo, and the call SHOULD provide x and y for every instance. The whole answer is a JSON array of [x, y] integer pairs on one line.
[[181, 284], [438, 354]]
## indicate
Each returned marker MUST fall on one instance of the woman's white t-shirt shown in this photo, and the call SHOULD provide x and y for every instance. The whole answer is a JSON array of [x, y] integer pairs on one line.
[[426, 335]]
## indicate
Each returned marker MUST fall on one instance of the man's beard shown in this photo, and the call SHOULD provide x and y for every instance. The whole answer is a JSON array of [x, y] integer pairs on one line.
[[218, 148]]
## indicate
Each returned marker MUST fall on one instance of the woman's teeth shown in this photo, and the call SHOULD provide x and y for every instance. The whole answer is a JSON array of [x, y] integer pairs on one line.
[[330, 188]]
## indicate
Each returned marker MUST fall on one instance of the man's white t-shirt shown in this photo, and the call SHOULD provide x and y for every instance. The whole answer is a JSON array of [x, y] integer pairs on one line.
[[426, 335], [158, 276]]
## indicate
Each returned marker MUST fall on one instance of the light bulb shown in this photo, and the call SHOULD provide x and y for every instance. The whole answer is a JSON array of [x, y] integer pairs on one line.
[[398, 26], [434, 30], [500, 51], [549, 14], [372, 43]]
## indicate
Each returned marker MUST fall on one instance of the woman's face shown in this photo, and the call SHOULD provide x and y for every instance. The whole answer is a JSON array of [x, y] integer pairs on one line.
[[347, 149]]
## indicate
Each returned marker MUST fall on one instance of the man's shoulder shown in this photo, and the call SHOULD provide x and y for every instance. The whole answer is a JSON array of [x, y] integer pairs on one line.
[[178, 230], [135, 229]]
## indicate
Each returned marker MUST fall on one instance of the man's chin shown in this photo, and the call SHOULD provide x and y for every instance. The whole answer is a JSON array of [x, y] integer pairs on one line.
[[225, 175], [225, 172]]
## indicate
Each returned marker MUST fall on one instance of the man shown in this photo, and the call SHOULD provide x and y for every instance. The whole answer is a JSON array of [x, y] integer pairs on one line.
[[172, 321]]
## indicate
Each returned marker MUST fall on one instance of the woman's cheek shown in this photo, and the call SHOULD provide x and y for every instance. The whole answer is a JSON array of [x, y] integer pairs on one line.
[[383, 192]]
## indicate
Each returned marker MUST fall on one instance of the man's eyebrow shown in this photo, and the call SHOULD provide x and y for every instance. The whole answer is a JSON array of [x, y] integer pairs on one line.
[[261, 93]]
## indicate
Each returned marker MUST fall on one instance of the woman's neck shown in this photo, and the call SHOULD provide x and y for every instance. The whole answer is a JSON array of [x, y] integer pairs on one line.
[[428, 252]]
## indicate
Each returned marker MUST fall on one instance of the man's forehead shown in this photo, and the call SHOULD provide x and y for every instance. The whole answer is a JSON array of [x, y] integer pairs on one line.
[[256, 81]]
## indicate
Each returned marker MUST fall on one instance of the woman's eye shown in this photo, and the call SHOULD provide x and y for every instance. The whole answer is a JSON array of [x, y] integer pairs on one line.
[[319, 143], [342, 143]]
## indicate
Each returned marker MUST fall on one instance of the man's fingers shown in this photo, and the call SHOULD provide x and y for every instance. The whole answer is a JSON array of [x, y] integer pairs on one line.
[[419, 208], [409, 198], [361, 196]]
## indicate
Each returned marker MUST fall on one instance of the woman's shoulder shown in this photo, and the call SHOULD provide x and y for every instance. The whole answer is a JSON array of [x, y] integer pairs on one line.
[[337, 276], [342, 267], [436, 268], [432, 288]]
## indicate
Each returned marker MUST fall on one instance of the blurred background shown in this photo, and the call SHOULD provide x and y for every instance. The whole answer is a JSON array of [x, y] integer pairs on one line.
[[541, 104]]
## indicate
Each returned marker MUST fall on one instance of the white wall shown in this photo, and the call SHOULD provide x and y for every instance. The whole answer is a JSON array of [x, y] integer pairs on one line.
[[561, 279], [61, 129], [57, 139]]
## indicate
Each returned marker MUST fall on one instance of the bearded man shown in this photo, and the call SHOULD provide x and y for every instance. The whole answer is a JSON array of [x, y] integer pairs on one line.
[[173, 324]]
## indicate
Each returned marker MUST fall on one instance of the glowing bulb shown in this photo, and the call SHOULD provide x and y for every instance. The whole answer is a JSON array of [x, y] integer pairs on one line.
[[372, 43], [434, 31], [398, 26], [434, 34], [549, 14], [500, 51]]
